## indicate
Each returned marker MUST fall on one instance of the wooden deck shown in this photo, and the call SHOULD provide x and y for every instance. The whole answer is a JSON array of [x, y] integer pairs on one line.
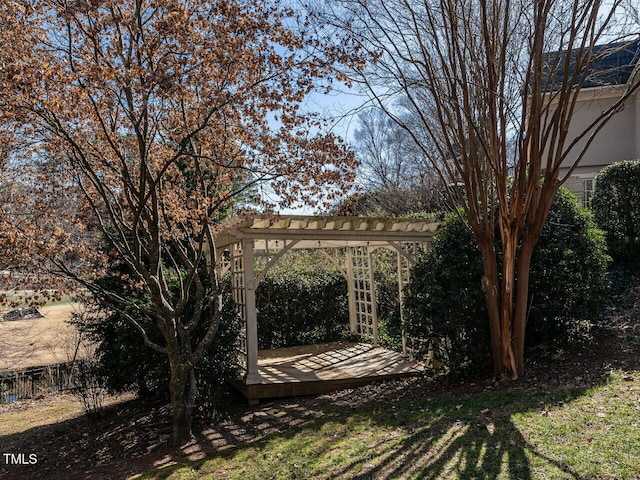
[[313, 369]]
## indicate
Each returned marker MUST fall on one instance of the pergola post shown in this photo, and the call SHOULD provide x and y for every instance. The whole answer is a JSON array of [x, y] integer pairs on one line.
[[373, 298], [407, 255], [251, 313], [401, 283]]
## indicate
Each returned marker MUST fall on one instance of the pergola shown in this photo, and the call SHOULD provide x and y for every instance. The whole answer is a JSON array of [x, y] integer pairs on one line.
[[249, 245]]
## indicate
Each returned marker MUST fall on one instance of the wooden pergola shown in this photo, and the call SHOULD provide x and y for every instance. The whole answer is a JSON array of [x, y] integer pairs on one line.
[[246, 241]]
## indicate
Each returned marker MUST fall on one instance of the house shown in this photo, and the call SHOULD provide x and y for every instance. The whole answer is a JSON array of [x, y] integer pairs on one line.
[[615, 68]]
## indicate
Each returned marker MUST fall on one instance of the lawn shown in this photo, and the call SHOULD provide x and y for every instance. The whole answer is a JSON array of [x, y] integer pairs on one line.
[[575, 414], [41, 341], [562, 433]]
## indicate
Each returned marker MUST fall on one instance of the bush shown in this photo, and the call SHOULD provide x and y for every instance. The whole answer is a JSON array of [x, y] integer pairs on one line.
[[305, 301], [568, 283], [301, 306], [124, 363], [122, 360], [443, 300], [616, 206], [569, 274]]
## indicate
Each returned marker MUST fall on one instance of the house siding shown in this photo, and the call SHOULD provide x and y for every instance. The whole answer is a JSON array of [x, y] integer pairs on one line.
[[618, 140], [576, 182]]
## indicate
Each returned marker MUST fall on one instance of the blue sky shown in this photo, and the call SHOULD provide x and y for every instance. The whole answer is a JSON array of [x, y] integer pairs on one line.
[[342, 107]]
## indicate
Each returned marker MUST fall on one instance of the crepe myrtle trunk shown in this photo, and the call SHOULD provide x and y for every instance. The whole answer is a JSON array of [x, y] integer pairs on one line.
[[491, 289], [507, 299], [522, 300], [506, 295]]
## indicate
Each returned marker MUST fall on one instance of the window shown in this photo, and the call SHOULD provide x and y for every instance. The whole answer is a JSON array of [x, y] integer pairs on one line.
[[587, 192]]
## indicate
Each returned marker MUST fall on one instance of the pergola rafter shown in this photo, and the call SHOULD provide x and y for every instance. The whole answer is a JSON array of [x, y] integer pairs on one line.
[[240, 240]]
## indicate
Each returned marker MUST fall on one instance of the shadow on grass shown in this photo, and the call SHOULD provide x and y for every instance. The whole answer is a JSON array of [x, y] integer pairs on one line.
[[443, 437], [386, 431], [81, 447], [475, 438]]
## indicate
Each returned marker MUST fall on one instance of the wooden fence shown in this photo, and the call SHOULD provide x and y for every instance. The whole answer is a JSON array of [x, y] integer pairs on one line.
[[34, 382]]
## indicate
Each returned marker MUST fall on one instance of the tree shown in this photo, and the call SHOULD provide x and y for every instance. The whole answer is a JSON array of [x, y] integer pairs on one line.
[[616, 207], [122, 364], [569, 277], [159, 114], [393, 171], [32, 219], [387, 160], [492, 88]]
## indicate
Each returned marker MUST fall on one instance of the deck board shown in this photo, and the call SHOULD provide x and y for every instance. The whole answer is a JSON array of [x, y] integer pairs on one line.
[[312, 369]]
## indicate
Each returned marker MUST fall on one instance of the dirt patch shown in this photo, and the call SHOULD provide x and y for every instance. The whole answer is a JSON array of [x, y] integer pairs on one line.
[[38, 342]]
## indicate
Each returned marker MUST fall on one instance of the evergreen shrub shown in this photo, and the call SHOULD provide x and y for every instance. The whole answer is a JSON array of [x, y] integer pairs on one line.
[[568, 284], [125, 363], [301, 305], [616, 205]]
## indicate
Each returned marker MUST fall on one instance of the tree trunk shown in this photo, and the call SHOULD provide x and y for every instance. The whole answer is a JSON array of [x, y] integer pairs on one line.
[[491, 291], [522, 301], [182, 388], [509, 260], [506, 302]]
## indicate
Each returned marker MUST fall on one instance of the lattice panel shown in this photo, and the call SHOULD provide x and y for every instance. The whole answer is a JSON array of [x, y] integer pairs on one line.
[[237, 289], [411, 251], [223, 263], [364, 294]]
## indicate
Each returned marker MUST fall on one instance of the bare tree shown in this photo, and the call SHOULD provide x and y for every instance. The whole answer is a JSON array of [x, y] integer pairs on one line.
[[382, 147], [479, 76], [393, 171]]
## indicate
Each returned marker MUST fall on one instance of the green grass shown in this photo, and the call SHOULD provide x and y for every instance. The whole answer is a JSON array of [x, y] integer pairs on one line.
[[48, 411], [592, 433]]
